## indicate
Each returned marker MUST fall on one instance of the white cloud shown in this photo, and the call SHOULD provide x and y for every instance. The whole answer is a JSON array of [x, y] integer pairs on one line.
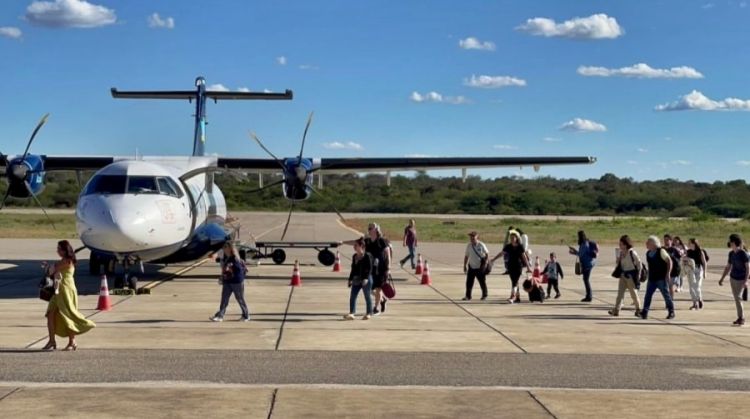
[[156, 21], [708, 6], [552, 140], [504, 147], [493, 82], [582, 125], [598, 26], [218, 87], [632, 162], [681, 163], [10, 32], [281, 60], [474, 43], [308, 67], [267, 91], [243, 89], [69, 14], [337, 145], [418, 156], [641, 150], [743, 163], [642, 71], [438, 98], [697, 101]]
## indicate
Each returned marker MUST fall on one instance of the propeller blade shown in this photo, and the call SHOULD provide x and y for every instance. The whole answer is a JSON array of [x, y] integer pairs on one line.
[[28, 188], [5, 198], [33, 134], [288, 219], [279, 182], [257, 140], [304, 135], [328, 200]]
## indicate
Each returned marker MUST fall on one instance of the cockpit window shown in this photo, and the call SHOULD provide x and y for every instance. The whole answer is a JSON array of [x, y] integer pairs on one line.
[[107, 184], [142, 184], [168, 186]]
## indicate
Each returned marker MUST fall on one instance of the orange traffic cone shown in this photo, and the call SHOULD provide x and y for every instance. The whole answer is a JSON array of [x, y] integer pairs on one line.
[[337, 263], [296, 278], [426, 280], [105, 304], [418, 271]]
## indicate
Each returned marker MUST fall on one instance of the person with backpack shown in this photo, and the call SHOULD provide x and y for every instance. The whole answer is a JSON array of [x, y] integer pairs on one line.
[[629, 265], [475, 265], [738, 269], [675, 252], [380, 249], [698, 255], [233, 271], [517, 261], [587, 253], [659, 270], [554, 273]]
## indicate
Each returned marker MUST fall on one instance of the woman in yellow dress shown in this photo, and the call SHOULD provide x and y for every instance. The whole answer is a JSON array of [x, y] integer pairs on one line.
[[63, 317]]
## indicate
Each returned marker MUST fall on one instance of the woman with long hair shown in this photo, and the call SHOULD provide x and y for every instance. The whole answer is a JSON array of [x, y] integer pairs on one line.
[[587, 253], [360, 279], [233, 272], [630, 272], [696, 253], [63, 317], [517, 261]]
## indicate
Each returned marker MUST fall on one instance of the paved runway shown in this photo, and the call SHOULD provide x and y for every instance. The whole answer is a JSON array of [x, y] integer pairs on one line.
[[429, 355]]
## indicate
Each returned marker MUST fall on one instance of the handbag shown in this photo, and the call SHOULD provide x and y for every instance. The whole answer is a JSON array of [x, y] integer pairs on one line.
[[578, 269], [46, 288], [389, 289], [617, 273]]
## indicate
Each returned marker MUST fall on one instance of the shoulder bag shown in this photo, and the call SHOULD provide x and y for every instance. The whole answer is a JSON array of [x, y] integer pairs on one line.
[[388, 288]]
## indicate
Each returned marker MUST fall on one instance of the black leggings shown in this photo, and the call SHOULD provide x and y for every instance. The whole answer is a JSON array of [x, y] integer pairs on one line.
[[515, 276], [553, 283]]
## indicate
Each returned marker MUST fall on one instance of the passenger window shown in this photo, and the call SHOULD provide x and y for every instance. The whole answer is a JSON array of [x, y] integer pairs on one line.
[[168, 187], [142, 184]]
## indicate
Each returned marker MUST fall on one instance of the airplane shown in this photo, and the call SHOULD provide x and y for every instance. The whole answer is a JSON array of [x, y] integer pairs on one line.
[[167, 209]]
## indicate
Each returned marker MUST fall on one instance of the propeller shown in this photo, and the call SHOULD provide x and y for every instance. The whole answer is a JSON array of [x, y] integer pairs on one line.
[[19, 173], [304, 136], [288, 219], [260, 143]]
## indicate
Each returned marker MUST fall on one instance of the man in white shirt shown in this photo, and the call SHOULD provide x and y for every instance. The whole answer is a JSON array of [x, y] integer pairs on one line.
[[476, 259]]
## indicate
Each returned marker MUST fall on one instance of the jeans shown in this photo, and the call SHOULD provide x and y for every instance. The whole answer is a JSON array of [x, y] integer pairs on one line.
[[239, 294], [737, 288], [626, 284], [587, 281], [553, 283], [366, 290], [695, 285], [410, 256], [472, 273], [651, 287]]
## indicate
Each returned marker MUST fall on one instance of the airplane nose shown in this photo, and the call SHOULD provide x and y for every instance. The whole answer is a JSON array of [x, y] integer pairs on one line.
[[105, 223]]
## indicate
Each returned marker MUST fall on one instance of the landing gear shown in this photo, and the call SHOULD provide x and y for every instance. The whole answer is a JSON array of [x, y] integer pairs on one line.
[[278, 256], [128, 278], [326, 257]]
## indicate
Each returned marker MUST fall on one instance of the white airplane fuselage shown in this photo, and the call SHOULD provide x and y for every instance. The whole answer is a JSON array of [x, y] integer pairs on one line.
[[140, 208]]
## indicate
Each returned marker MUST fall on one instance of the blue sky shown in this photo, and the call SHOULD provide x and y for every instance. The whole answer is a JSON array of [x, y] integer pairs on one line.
[[562, 79]]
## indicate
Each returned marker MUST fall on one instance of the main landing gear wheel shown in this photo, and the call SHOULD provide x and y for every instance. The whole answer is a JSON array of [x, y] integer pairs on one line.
[[278, 256], [326, 257]]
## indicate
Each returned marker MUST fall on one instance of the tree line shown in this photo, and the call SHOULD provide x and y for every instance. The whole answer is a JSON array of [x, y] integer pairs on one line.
[[608, 195]]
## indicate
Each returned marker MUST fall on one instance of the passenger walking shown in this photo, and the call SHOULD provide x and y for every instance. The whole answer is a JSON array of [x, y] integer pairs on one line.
[[360, 279], [738, 268], [380, 249], [659, 267], [63, 317], [587, 253], [630, 273], [517, 261], [675, 252], [698, 255], [554, 273], [233, 271], [476, 259], [410, 242]]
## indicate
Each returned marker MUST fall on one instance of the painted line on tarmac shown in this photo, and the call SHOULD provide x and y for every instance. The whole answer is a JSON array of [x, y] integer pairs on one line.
[[346, 227], [10, 393], [273, 403], [270, 230], [221, 386], [283, 321], [546, 409]]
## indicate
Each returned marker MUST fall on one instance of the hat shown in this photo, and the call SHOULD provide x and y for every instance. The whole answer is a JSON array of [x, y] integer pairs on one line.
[[473, 233]]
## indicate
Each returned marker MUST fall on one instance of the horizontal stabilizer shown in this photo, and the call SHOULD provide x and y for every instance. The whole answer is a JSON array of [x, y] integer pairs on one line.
[[190, 94]]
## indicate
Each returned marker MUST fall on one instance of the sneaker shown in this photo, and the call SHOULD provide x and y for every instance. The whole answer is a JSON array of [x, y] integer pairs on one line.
[[613, 313], [366, 317], [376, 312], [349, 317], [216, 319], [245, 319], [670, 315], [511, 300], [518, 300], [700, 304], [382, 306], [402, 263], [644, 315], [586, 300], [466, 299], [484, 297], [557, 296], [637, 313]]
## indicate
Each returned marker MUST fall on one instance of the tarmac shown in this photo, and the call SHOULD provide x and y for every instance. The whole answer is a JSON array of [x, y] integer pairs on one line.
[[429, 355]]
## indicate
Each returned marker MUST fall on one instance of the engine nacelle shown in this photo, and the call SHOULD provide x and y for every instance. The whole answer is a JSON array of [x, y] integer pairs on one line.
[[298, 180], [21, 172]]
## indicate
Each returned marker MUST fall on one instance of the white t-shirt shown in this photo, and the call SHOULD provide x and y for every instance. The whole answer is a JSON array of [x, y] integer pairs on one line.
[[475, 257]]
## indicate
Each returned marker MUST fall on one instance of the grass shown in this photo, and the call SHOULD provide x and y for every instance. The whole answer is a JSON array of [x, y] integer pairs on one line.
[[36, 226], [710, 233]]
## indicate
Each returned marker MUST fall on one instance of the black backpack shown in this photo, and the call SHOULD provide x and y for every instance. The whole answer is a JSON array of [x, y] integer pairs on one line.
[[674, 255]]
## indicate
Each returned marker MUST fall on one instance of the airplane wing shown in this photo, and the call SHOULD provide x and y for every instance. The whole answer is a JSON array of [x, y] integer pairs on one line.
[[68, 162], [382, 164]]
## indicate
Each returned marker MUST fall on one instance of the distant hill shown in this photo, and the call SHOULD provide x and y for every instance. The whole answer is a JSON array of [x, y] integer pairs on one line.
[[608, 195]]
